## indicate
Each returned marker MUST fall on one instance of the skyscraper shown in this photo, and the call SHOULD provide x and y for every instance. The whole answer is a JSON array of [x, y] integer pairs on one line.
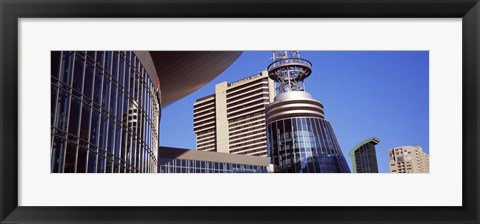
[[106, 105], [300, 139], [408, 159], [233, 119], [364, 156]]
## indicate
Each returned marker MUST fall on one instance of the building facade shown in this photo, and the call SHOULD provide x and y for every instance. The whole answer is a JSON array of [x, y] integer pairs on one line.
[[106, 105], [233, 119], [90, 94], [408, 159], [364, 156], [300, 139], [175, 160]]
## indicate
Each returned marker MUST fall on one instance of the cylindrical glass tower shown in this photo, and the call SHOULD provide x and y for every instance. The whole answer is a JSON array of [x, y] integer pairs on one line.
[[300, 140]]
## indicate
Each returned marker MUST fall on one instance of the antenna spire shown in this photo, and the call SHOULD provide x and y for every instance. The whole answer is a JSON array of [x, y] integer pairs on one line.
[[289, 71]]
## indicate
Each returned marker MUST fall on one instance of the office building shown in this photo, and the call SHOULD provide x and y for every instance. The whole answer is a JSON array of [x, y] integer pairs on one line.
[[232, 120], [175, 160], [106, 105], [364, 156], [408, 159], [300, 139]]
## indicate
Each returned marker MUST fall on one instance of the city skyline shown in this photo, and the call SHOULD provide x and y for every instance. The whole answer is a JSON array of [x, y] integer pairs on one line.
[[387, 90]]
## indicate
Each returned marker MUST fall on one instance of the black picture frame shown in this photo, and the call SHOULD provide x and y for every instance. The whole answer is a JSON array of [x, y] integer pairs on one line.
[[12, 10]]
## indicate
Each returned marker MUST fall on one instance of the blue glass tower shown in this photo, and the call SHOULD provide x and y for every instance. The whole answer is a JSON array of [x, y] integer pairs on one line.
[[300, 139]]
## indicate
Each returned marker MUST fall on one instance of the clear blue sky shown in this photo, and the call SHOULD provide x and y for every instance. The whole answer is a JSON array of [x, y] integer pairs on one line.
[[365, 93]]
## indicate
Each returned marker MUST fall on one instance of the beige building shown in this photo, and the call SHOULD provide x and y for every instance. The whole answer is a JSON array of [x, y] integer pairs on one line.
[[408, 159], [232, 120]]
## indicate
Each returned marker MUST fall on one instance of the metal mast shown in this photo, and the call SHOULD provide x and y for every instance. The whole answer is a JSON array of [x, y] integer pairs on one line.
[[289, 70]]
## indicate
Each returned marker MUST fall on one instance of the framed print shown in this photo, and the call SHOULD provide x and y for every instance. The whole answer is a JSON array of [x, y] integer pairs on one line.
[[299, 115]]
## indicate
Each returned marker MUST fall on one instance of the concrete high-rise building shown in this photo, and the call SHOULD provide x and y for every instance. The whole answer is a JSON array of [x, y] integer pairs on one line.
[[232, 120], [408, 159], [300, 139], [364, 157]]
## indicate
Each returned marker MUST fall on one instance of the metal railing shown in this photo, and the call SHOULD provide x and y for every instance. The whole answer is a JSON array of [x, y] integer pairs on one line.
[[289, 62]]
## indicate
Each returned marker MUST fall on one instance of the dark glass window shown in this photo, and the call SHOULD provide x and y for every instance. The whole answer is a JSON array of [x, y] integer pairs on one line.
[[78, 75], [89, 75], [62, 111], [118, 141], [103, 132], [115, 65], [58, 149], [82, 160], [119, 104], [97, 91], [91, 54], [101, 164], [99, 59], [66, 67], [111, 137], [85, 125], [121, 72], [55, 63], [70, 157], [92, 160], [53, 100], [108, 61], [106, 91], [94, 128], [113, 98], [74, 117]]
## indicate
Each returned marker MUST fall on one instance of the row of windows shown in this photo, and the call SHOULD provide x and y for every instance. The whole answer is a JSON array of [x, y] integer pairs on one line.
[[196, 166], [252, 135], [206, 131], [240, 143], [206, 121], [263, 152], [80, 157], [207, 148], [240, 94], [199, 107], [250, 97], [247, 127], [202, 115], [203, 126], [247, 113], [208, 142], [258, 144], [242, 107], [242, 121]]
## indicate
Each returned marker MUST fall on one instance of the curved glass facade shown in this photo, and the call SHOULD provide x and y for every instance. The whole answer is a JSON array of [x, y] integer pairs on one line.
[[105, 113], [305, 145]]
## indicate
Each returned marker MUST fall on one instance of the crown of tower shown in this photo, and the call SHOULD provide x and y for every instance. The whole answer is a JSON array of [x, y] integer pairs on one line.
[[289, 71]]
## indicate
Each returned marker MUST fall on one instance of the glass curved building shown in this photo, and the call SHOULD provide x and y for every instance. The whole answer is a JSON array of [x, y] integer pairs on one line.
[[106, 105], [300, 140], [105, 113]]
